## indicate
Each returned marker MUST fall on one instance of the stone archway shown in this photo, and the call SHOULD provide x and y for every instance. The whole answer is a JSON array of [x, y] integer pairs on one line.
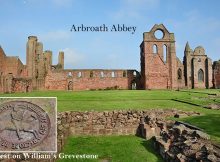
[[70, 86], [27, 88], [133, 85]]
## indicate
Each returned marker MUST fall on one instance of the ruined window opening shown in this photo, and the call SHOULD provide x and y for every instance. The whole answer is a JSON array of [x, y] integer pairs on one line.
[[200, 75], [91, 74], [199, 60], [134, 73], [155, 50], [69, 74], [179, 74], [165, 53], [53, 68], [158, 34], [102, 74], [124, 74], [133, 85], [113, 74], [79, 74], [70, 86]]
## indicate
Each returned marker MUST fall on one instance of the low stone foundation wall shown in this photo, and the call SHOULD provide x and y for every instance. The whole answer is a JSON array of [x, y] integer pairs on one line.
[[122, 122], [175, 142]]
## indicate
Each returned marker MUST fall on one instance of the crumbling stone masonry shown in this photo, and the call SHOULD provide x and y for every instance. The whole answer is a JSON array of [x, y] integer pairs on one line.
[[216, 74], [160, 69], [174, 141], [122, 122]]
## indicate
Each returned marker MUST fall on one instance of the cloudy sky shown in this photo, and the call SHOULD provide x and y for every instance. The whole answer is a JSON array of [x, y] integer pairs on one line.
[[196, 21]]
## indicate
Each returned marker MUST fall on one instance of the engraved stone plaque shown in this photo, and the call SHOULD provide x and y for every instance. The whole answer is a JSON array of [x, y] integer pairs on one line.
[[28, 124]]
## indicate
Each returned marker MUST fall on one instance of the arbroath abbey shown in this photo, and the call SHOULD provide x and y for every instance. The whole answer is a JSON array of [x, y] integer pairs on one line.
[[160, 69]]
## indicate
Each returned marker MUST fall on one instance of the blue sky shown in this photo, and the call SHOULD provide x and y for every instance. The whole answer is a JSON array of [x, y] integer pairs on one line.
[[196, 21]]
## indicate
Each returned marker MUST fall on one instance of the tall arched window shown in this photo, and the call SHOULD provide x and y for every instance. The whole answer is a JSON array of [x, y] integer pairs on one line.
[[102, 74], [200, 75], [79, 74], [165, 53], [124, 74], [113, 74], [91, 74], [134, 73], [179, 73], [69, 74], [155, 50]]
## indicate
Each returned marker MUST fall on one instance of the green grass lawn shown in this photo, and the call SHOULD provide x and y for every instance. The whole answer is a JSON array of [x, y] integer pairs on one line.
[[114, 148], [122, 99], [129, 147]]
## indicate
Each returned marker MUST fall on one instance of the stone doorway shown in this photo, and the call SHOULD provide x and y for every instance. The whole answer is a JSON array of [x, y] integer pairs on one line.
[[133, 85], [70, 86], [27, 89]]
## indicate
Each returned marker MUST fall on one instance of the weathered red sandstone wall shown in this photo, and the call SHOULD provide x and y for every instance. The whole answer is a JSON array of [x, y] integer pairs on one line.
[[216, 73], [2, 59], [89, 79], [157, 76], [158, 62], [21, 85], [180, 74], [13, 65]]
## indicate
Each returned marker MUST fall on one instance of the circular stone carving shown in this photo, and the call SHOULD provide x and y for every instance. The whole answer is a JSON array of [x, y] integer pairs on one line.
[[23, 125], [158, 34]]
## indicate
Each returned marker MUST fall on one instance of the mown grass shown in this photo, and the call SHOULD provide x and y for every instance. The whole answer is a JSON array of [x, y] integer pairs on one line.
[[112, 148], [130, 148], [121, 99]]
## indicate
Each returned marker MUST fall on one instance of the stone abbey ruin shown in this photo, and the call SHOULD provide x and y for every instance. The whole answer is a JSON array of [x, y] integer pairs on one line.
[[160, 69]]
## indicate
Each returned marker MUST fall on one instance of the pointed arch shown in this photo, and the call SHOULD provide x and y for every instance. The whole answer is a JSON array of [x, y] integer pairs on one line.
[[201, 75], [165, 53], [179, 74], [155, 49], [102, 74], [70, 85]]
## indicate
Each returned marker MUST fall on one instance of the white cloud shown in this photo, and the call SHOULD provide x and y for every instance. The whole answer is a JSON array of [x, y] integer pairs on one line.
[[72, 57], [58, 35]]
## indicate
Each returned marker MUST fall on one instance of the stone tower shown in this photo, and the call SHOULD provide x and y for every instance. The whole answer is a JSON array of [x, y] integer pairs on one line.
[[35, 62], [61, 59], [48, 61], [31, 56], [158, 59], [187, 66], [198, 68]]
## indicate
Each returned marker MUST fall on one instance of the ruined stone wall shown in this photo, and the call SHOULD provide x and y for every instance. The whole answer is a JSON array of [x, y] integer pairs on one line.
[[159, 64], [56, 81], [89, 79], [21, 85], [12, 65], [2, 59], [61, 59], [120, 122], [196, 61], [180, 74], [216, 73]]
